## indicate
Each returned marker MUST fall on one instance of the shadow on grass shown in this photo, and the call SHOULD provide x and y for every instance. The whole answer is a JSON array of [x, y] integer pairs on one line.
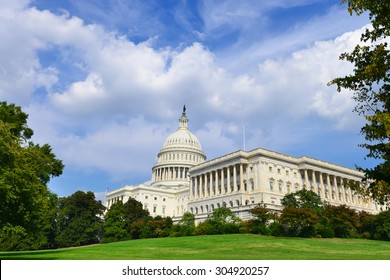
[[33, 255]]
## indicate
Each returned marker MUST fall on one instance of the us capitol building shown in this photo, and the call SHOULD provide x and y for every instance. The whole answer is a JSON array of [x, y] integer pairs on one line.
[[182, 180]]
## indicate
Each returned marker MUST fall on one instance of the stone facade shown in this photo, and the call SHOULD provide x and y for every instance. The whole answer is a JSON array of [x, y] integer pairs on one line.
[[243, 179]]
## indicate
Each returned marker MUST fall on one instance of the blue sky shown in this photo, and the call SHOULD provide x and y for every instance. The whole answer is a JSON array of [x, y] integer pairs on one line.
[[104, 82]]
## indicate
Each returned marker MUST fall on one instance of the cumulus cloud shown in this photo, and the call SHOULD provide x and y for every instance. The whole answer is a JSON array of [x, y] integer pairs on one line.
[[115, 117]]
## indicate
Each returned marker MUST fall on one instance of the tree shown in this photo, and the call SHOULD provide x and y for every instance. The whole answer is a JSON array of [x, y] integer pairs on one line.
[[343, 220], [221, 220], [114, 228], [381, 226], [298, 221], [25, 170], [370, 84], [79, 220], [136, 217], [186, 225], [303, 199], [261, 216]]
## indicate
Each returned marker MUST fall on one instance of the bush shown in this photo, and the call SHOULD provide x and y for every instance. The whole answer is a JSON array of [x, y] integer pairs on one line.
[[275, 229], [325, 231], [381, 226]]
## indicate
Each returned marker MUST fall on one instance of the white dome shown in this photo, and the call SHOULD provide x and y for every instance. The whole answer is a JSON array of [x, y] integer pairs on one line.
[[181, 151], [184, 139]]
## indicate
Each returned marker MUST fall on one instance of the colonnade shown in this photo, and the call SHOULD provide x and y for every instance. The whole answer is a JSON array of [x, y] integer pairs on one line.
[[229, 179], [329, 186], [170, 173]]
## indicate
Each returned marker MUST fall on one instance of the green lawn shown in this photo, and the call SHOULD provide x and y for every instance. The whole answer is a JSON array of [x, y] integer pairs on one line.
[[219, 247]]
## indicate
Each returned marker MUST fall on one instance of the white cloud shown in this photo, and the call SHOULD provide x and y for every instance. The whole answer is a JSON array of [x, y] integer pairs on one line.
[[116, 117]]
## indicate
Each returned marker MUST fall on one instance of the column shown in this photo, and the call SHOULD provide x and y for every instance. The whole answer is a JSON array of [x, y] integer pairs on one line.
[[336, 188], [329, 187], [196, 187], [217, 183], [255, 168], [350, 195], [211, 184], [322, 186], [307, 183], [222, 181], [192, 189], [228, 179], [234, 178], [314, 181], [242, 178], [201, 185]]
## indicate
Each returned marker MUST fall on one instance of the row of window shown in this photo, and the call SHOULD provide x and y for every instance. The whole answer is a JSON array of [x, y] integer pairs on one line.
[[279, 171]]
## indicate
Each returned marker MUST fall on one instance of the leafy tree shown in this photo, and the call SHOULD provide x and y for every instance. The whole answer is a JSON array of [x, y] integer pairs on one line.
[[136, 217], [79, 220], [25, 170], [298, 221], [157, 227], [343, 220], [17, 119], [221, 220], [261, 216], [370, 84], [186, 225], [303, 199], [261, 213], [366, 224], [381, 226], [115, 224]]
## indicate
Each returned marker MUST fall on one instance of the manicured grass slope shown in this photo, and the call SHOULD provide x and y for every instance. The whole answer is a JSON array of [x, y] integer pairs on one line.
[[219, 247]]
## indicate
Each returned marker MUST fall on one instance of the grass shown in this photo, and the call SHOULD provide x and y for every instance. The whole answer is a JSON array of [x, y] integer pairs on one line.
[[219, 247]]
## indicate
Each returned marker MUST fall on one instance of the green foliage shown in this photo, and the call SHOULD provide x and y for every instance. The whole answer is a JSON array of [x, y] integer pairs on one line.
[[185, 227], [17, 119], [300, 222], [126, 221], [221, 221], [261, 213], [366, 224], [381, 226], [223, 215], [343, 220], [115, 224], [157, 227], [25, 170], [79, 220], [303, 199], [370, 84]]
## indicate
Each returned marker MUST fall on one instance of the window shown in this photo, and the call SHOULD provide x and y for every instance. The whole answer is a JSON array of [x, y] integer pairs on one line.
[[270, 169], [154, 208], [280, 185], [271, 185], [155, 198], [146, 197]]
